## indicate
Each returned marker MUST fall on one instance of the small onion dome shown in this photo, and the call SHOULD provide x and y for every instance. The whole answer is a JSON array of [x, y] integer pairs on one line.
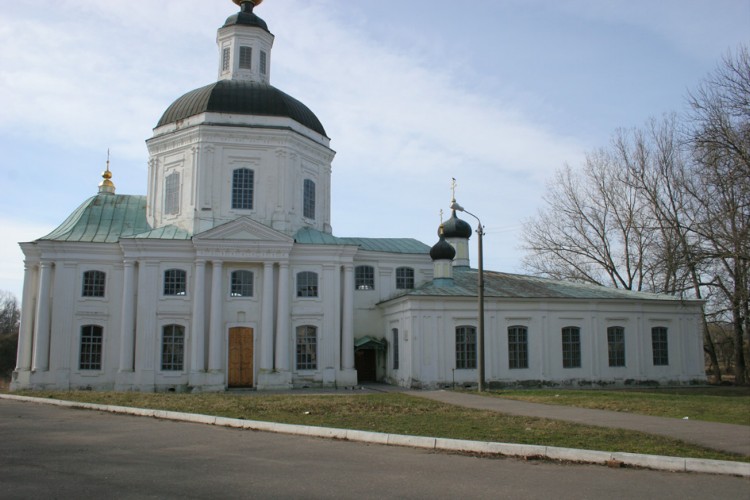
[[245, 16], [442, 250], [456, 228]]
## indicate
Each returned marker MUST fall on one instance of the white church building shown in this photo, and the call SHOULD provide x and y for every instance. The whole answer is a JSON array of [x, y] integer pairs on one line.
[[227, 274]]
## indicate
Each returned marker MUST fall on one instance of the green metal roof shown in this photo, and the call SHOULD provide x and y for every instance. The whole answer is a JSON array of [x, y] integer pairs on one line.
[[311, 236], [516, 286], [169, 232], [104, 218]]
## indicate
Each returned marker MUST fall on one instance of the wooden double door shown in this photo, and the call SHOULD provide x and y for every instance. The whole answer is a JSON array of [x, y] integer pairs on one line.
[[240, 357]]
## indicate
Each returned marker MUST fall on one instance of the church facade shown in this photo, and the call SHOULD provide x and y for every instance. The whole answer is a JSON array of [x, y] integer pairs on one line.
[[227, 274]]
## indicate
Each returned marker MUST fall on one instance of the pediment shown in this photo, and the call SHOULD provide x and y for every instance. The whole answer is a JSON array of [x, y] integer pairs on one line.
[[243, 229]]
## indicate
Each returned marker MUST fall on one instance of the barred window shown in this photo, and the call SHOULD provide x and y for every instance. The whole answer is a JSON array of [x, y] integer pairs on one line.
[[518, 347], [263, 62], [225, 59], [175, 282], [364, 278], [307, 348], [466, 347], [246, 57], [394, 335], [660, 346], [241, 284], [571, 347], [90, 357], [93, 284], [616, 345], [173, 348], [307, 284], [308, 199], [172, 194], [404, 278], [243, 186]]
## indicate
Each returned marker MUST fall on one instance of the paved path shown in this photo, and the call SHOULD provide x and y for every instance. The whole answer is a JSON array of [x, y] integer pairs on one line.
[[725, 437]]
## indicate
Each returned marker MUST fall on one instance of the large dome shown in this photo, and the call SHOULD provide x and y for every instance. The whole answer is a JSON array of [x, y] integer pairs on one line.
[[241, 97]]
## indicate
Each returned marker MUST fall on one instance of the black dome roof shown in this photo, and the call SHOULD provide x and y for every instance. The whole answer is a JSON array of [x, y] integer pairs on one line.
[[241, 97], [456, 228], [246, 17], [442, 250]]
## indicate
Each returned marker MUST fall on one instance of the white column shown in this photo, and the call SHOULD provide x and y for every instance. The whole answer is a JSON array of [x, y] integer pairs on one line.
[[282, 321], [127, 325], [347, 328], [23, 359], [215, 333], [198, 345], [266, 318], [41, 345]]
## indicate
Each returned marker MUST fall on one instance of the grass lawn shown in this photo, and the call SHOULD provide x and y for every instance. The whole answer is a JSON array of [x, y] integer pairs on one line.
[[730, 405], [400, 414]]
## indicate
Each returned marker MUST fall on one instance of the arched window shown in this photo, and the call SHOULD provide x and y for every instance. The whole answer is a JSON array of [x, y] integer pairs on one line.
[[364, 278], [90, 357], [172, 194], [308, 199], [93, 284], [307, 348], [616, 345], [173, 348], [175, 282], [307, 284], [404, 278], [241, 284], [571, 347], [466, 347], [243, 185], [518, 347], [660, 346]]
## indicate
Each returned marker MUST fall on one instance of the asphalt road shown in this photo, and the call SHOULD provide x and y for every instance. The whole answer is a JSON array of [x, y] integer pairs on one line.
[[51, 452]]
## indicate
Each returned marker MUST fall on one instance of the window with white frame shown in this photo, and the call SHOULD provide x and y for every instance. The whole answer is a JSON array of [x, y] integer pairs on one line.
[[364, 278], [466, 347], [172, 194], [571, 347], [241, 284], [307, 284], [404, 278], [90, 357], [93, 284], [660, 345], [518, 347], [175, 282], [246, 57], [616, 345], [394, 336], [308, 199], [307, 348], [243, 187], [173, 348], [263, 62], [225, 59]]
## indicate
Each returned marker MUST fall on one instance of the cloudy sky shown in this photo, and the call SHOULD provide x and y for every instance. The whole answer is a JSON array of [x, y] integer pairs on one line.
[[496, 93]]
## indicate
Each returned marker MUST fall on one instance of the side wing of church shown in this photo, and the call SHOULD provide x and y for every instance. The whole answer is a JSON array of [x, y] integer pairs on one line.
[[227, 274]]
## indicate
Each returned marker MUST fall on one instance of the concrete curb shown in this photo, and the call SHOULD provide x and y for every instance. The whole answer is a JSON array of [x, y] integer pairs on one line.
[[656, 462]]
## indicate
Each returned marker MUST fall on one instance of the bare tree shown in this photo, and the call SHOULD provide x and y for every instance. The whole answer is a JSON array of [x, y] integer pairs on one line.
[[10, 313]]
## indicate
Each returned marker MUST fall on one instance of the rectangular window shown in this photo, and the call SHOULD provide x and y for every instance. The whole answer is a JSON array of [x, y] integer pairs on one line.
[[242, 284], [243, 186], [246, 57], [172, 194], [364, 278], [307, 348], [394, 335], [307, 284], [466, 347], [308, 199], [173, 348], [225, 59], [571, 347], [616, 345], [93, 284], [175, 282], [263, 62], [404, 278], [91, 348], [518, 347], [660, 346]]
